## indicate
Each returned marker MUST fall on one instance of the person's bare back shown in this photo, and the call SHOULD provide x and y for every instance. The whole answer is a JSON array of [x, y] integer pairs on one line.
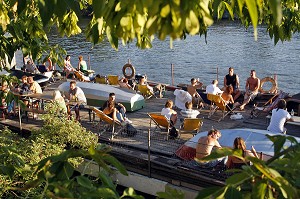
[[207, 143]]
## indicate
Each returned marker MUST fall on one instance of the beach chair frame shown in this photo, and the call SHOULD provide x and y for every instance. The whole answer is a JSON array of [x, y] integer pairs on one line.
[[190, 126], [108, 124], [145, 91], [217, 103], [160, 122]]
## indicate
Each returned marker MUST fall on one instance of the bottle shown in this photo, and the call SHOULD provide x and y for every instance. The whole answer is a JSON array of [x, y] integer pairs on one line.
[[292, 112]]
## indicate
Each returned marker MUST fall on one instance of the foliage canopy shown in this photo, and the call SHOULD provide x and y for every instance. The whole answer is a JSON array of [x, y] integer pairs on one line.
[[26, 23]]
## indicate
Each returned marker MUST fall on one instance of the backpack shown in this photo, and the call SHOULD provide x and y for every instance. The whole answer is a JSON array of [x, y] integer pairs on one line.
[[130, 130], [173, 133]]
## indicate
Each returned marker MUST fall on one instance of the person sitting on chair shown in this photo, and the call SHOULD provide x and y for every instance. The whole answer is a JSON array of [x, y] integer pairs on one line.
[[31, 67], [252, 86], [233, 80], [170, 114], [205, 146], [189, 112], [60, 101], [279, 117], [76, 94], [68, 68], [159, 88], [192, 90], [121, 113], [236, 163], [35, 88], [123, 82], [82, 66], [111, 111], [227, 97], [213, 88]]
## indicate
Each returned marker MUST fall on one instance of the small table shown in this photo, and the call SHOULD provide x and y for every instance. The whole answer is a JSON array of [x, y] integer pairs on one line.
[[296, 121]]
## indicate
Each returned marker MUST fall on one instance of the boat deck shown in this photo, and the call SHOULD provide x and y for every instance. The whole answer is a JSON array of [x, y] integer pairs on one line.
[[132, 151]]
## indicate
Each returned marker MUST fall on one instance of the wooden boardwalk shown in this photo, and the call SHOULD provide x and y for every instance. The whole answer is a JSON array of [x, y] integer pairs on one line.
[[132, 151]]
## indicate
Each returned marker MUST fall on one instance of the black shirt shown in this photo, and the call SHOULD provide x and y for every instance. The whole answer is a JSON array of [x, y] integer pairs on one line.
[[231, 80]]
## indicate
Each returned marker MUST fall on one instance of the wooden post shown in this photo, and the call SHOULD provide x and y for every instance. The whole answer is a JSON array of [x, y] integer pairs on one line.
[[172, 73], [218, 73], [149, 154], [89, 61]]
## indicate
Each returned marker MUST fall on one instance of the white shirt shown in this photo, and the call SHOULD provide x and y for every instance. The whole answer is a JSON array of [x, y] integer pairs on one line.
[[79, 94], [213, 89], [278, 119], [166, 112]]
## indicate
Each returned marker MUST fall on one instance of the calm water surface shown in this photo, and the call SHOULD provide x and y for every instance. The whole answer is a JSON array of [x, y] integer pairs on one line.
[[228, 44]]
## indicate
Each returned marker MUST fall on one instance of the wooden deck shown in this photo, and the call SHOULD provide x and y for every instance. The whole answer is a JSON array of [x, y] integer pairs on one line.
[[133, 151]]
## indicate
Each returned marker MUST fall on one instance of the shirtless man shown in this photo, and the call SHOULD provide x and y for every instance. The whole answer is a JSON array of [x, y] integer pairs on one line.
[[205, 146], [233, 80], [252, 86], [192, 90]]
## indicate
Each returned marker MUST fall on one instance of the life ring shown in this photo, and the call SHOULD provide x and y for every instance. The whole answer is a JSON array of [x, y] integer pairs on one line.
[[132, 69], [273, 88]]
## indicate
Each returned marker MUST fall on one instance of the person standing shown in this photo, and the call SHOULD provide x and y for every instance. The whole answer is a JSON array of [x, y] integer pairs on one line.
[[82, 66], [76, 94], [192, 90], [252, 86], [279, 117], [233, 79]]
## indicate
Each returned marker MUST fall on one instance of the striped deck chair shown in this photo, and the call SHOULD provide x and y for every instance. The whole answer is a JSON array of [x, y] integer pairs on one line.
[[160, 122], [217, 103], [190, 126], [145, 91], [113, 79], [269, 105], [106, 124]]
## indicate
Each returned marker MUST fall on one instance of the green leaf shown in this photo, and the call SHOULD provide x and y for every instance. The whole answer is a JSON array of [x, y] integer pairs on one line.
[[46, 8], [252, 8], [237, 178], [209, 192], [84, 181], [99, 8], [275, 6], [7, 170], [233, 193], [129, 192], [259, 190], [165, 11]]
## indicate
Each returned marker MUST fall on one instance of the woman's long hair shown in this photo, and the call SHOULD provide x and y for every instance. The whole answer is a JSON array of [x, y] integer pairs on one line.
[[239, 143]]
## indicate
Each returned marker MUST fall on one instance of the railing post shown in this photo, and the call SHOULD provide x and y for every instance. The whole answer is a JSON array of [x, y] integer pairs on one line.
[[149, 155], [218, 73], [172, 73]]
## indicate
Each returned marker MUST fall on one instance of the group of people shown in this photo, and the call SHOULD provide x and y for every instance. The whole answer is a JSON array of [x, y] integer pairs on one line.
[[230, 92], [207, 143], [68, 68]]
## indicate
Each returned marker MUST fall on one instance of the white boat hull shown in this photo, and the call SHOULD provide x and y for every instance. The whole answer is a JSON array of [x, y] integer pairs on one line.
[[97, 94]]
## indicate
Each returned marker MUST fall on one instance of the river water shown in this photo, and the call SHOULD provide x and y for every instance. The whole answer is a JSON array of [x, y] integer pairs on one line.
[[228, 45]]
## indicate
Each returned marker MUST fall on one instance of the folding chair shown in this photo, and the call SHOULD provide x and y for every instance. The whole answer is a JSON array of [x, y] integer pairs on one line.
[[269, 105], [101, 80], [204, 98], [108, 123], [113, 79], [217, 103], [190, 126], [160, 121], [145, 91]]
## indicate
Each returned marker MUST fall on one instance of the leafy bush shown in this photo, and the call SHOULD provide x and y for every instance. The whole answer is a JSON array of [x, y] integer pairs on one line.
[[44, 165]]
